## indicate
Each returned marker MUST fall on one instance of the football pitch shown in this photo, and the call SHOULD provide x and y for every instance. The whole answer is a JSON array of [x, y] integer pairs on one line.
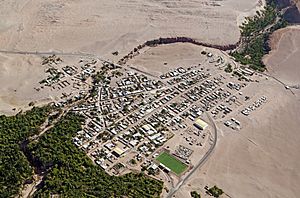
[[172, 163]]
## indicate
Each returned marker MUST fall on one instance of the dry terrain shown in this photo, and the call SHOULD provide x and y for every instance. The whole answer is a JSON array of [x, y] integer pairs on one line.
[[162, 59], [19, 75], [262, 159], [283, 61], [106, 26], [102, 28]]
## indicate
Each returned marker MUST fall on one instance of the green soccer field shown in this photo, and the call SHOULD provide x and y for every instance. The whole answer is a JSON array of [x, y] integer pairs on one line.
[[172, 163]]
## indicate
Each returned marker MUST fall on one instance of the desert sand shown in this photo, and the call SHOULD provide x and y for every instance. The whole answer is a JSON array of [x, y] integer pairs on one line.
[[162, 59], [19, 75], [262, 159], [283, 61], [107, 26], [100, 28]]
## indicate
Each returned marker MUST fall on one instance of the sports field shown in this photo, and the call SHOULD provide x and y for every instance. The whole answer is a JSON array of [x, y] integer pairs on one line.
[[172, 163]]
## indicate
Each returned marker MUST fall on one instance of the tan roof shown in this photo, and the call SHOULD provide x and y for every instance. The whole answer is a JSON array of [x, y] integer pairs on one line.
[[119, 151], [201, 123]]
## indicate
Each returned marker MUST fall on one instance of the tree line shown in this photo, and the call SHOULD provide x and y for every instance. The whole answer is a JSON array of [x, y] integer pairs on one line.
[[68, 170], [71, 173], [255, 32], [14, 166]]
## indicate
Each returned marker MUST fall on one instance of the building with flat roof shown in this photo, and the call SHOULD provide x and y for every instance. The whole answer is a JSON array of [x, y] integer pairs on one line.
[[118, 152], [200, 124]]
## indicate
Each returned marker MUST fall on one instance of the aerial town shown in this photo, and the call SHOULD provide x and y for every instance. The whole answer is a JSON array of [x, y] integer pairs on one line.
[[163, 125], [150, 98]]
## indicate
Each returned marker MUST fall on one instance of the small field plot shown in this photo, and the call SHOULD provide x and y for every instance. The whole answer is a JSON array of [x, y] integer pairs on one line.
[[172, 163]]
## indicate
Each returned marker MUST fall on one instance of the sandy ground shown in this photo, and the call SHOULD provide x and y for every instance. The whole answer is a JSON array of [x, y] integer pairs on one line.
[[262, 159], [17, 84], [106, 26], [165, 58], [102, 28], [283, 61]]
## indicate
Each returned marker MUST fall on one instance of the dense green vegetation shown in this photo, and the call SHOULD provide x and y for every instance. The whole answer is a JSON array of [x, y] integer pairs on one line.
[[260, 21], [68, 171], [228, 68], [255, 35], [215, 191], [194, 194], [14, 167], [99, 77], [252, 54], [172, 163], [71, 173]]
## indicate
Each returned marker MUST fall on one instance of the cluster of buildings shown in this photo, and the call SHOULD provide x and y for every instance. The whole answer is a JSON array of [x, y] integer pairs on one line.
[[174, 73], [119, 120], [223, 109], [233, 124], [130, 116], [254, 106], [58, 72], [183, 152], [135, 113], [66, 79], [131, 85], [189, 79]]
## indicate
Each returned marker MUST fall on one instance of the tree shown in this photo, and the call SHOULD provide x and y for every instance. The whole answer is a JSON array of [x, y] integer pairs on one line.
[[70, 173], [194, 194], [133, 161], [228, 68], [215, 191], [15, 168]]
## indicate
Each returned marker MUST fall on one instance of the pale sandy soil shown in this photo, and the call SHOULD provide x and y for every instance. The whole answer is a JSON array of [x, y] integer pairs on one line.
[[164, 58], [107, 26], [262, 159], [283, 61], [102, 27], [17, 84]]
